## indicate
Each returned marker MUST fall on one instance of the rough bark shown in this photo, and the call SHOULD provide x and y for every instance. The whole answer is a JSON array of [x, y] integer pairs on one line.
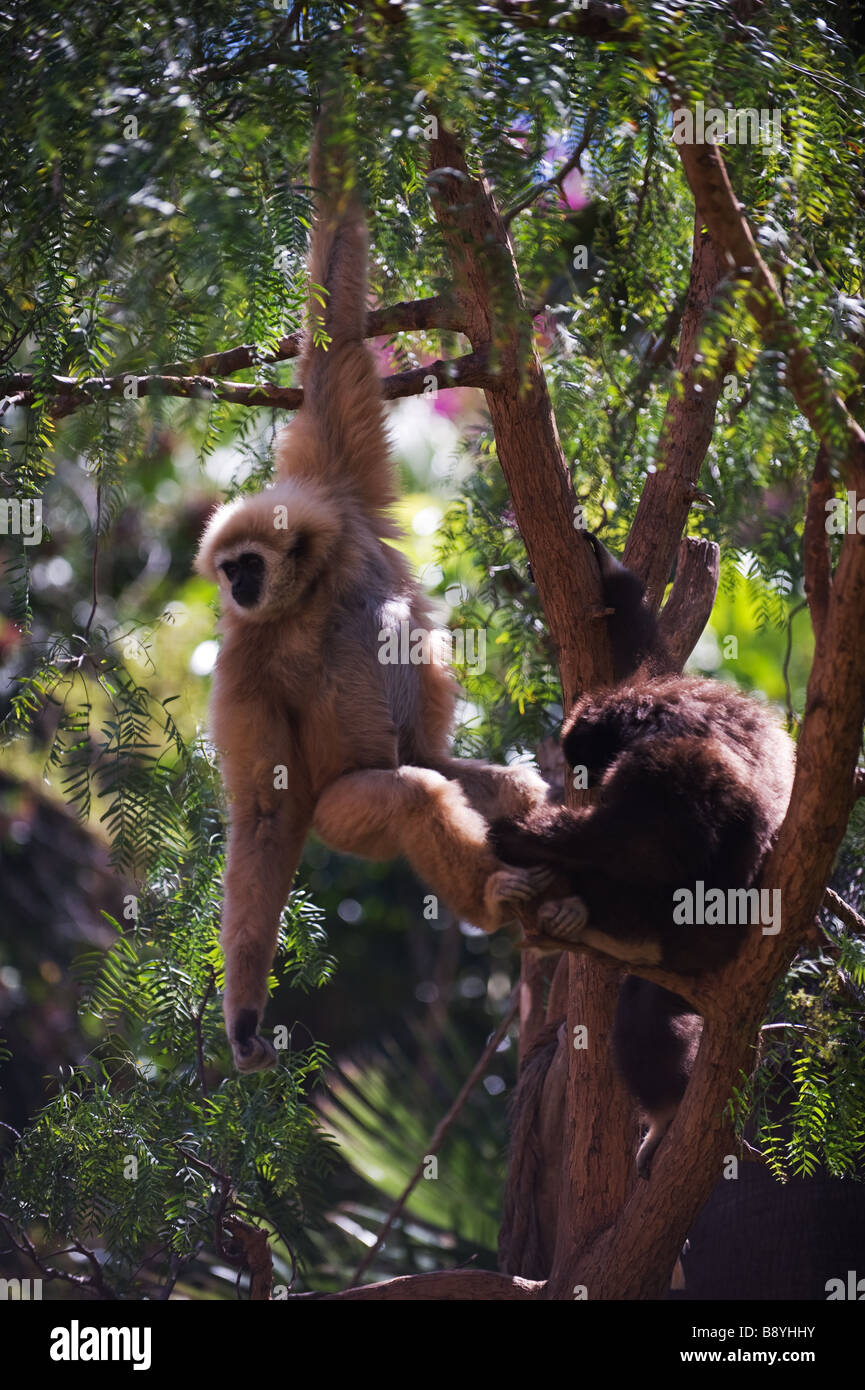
[[692, 597]]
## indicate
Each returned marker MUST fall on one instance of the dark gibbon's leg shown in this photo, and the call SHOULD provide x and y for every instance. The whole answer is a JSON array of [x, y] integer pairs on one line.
[[655, 1037]]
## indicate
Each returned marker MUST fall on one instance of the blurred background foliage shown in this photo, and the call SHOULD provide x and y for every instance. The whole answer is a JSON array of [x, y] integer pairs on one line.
[[155, 207]]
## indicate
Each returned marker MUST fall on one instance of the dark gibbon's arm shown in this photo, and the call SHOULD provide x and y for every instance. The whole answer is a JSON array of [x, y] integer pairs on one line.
[[632, 627]]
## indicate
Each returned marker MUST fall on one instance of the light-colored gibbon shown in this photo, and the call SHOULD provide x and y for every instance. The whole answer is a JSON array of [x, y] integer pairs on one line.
[[312, 727]]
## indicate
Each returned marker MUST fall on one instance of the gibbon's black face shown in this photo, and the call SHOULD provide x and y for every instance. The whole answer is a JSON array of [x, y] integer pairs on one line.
[[245, 574], [267, 576]]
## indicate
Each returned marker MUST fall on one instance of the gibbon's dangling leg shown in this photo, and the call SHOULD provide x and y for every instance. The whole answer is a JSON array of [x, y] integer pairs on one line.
[[427, 818], [655, 1039], [267, 830]]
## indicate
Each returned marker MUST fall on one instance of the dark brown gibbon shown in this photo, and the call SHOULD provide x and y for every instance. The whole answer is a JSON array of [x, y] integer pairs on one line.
[[693, 782], [313, 727]]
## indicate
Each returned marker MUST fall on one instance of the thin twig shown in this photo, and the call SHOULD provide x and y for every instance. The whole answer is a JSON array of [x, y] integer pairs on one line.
[[95, 564], [440, 1133], [644, 189], [574, 161], [92, 1283]]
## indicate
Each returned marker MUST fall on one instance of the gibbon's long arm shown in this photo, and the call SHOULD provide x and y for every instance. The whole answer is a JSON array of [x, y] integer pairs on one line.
[[342, 421]]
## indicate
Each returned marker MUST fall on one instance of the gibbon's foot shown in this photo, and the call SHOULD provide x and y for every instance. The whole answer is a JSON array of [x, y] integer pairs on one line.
[[564, 918], [251, 1051], [658, 1126], [507, 890]]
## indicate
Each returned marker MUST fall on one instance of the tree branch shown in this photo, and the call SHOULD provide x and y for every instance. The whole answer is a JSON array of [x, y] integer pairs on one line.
[[72, 394], [490, 298], [464, 1285], [256, 1257], [408, 316], [93, 1283], [822, 407], [574, 161], [815, 545], [692, 597], [594, 19], [197, 1018], [844, 912]]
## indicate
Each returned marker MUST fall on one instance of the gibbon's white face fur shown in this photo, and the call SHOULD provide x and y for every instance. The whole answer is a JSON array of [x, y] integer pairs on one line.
[[267, 552]]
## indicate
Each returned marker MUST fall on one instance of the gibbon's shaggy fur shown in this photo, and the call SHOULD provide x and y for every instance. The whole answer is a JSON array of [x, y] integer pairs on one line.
[[694, 780], [307, 585]]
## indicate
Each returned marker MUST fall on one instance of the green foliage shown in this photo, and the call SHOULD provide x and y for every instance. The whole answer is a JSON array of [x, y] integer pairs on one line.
[[804, 1106]]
